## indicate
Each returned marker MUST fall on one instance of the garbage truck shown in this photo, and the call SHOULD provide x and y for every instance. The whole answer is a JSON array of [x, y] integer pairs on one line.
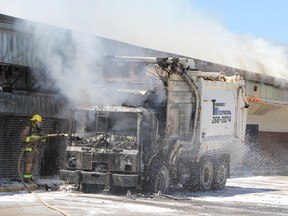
[[178, 132]]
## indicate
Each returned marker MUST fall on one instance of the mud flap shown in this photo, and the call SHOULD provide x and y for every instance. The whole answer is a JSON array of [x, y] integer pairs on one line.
[[108, 183], [47, 187], [77, 179]]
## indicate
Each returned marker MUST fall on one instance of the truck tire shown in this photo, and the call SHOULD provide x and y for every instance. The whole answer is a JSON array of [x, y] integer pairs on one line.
[[220, 175], [206, 175], [160, 179]]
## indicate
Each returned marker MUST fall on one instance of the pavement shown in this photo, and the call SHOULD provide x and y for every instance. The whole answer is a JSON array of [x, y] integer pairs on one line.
[[256, 195]]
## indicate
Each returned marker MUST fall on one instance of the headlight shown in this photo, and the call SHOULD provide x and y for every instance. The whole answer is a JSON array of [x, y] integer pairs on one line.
[[128, 164], [128, 160], [71, 159]]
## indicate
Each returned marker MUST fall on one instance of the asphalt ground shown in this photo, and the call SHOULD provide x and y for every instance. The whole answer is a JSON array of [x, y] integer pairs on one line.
[[252, 195]]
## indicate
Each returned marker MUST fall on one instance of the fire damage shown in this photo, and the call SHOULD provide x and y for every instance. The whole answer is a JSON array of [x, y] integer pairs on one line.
[[175, 127]]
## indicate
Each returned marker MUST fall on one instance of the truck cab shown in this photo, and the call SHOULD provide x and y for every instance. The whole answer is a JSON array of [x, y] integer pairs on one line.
[[109, 146]]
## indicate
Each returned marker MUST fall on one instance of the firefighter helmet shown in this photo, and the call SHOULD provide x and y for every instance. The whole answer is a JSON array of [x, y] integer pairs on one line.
[[36, 118]]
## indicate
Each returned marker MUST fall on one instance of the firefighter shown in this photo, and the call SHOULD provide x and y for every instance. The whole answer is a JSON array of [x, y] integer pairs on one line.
[[31, 136]]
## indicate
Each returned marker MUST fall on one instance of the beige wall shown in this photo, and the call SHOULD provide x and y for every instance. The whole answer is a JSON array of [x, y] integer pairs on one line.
[[269, 117]]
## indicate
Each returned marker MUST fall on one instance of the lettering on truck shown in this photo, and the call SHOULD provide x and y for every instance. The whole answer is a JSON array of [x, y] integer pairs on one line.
[[220, 115]]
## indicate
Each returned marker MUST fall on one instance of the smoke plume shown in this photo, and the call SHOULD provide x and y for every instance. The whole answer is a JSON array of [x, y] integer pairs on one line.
[[171, 26], [73, 58]]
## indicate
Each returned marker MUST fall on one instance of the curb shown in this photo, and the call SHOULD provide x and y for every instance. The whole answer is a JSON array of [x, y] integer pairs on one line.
[[17, 188], [258, 172]]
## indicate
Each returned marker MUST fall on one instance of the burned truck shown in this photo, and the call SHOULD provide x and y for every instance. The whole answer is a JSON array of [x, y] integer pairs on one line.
[[179, 132]]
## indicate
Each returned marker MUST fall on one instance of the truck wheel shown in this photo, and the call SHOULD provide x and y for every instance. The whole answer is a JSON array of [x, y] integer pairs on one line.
[[160, 180], [220, 175], [206, 175]]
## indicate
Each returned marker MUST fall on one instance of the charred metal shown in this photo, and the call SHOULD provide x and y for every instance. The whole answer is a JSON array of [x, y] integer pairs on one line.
[[163, 136]]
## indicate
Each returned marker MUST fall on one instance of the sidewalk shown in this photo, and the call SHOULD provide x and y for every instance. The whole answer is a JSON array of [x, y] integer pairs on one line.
[[47, 183], [13, 186]]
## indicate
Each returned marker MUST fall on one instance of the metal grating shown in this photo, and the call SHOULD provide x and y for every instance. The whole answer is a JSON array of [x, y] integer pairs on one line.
[[51, 153]]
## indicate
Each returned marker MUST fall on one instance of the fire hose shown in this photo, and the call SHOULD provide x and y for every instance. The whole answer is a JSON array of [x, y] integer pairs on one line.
[[33, 142]]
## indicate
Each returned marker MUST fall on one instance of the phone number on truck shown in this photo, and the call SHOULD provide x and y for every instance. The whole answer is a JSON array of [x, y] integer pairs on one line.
[[221, 119]]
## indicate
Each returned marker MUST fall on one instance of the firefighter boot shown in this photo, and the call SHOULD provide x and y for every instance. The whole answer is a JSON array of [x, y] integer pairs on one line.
[[27, 178]]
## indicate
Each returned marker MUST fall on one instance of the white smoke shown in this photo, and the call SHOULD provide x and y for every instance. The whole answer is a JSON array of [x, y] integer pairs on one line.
[[166, 25], [76, 63], [68, 58]]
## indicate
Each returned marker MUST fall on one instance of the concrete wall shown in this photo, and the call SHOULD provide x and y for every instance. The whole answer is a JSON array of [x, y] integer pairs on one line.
[[269, 117]]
